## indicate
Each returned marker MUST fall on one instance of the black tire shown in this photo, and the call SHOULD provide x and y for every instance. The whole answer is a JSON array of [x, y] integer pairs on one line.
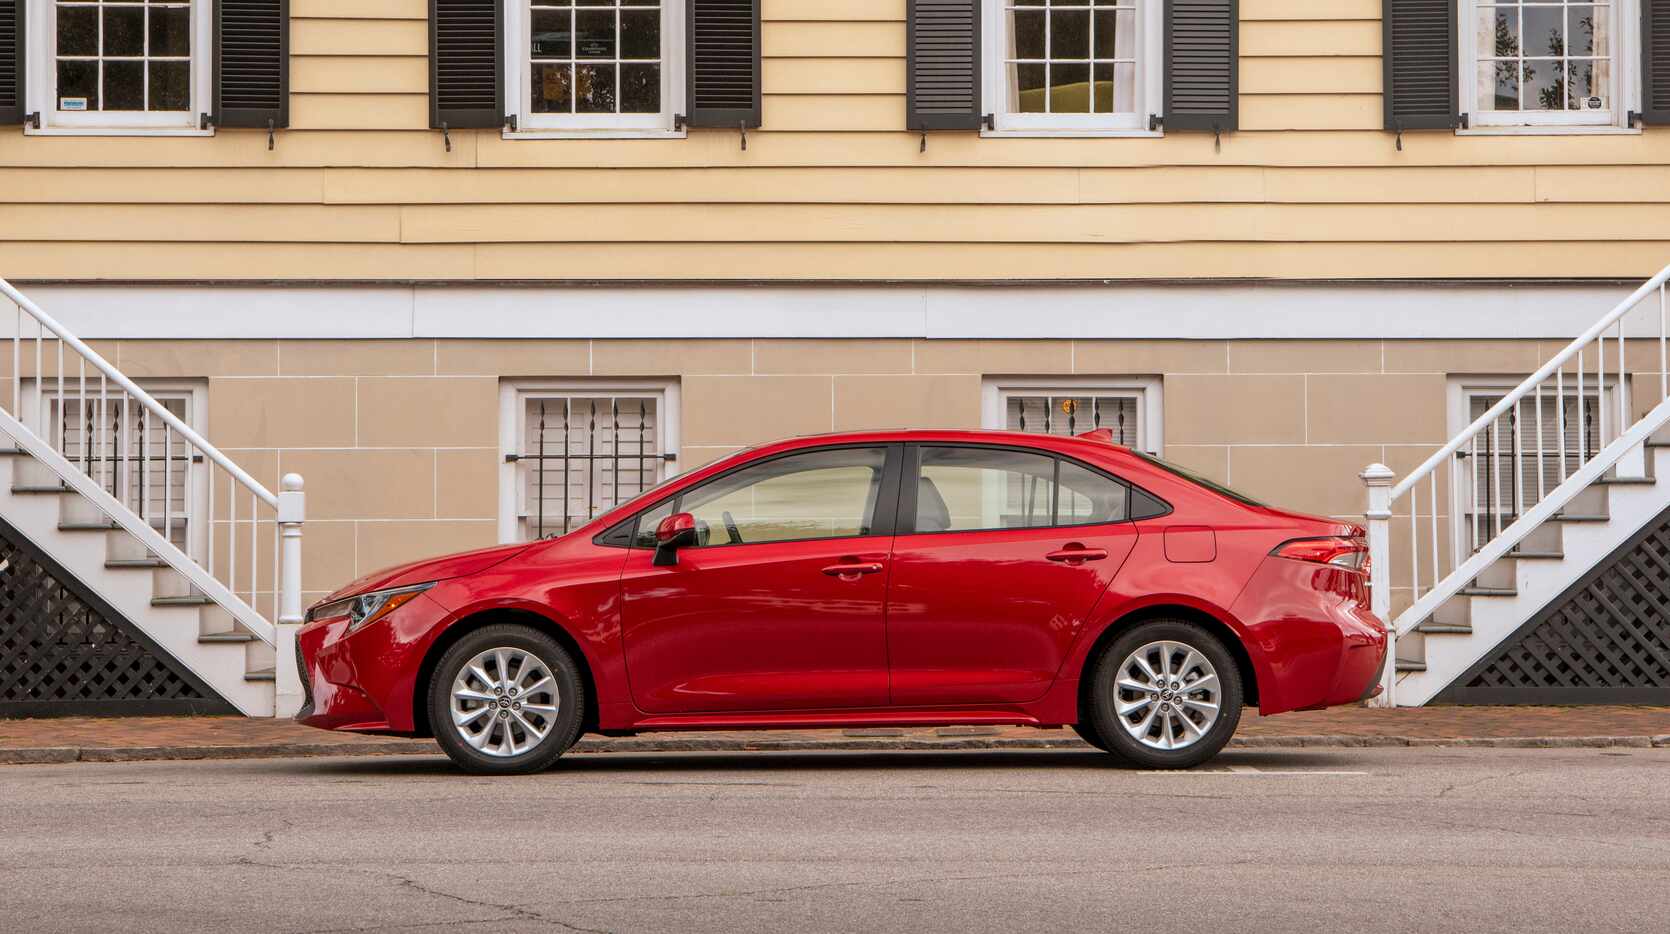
[[1088, 733], [1104, 695], [561, 728]]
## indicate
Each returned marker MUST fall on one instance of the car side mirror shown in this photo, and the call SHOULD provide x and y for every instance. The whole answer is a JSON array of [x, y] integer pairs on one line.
[[676, 531]]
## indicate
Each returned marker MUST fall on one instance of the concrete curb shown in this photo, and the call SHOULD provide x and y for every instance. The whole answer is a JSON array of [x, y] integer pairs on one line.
[[51, 755]]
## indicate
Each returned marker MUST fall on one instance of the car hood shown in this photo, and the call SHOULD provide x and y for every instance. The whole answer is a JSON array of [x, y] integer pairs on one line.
[[461, 564]]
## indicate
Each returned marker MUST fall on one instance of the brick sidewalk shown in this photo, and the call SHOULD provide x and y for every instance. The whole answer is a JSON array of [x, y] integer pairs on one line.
[[72, 739]]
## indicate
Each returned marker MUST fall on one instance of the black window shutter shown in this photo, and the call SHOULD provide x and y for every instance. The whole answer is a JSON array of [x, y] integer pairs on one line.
[[724, 69], [252, 63], [942, 89], [466, 64], [1201, 80], [11, 62], [1419, 46], [1655, 61]]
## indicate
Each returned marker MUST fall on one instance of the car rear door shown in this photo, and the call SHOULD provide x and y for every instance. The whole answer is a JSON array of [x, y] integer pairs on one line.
[[1001, 555], [779, 606]]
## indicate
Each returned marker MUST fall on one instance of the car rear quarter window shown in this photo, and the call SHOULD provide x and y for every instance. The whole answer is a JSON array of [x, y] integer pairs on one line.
[[1089, 498]]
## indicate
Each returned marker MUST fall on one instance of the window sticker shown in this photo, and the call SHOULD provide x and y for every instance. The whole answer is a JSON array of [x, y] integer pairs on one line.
[[72, 103]]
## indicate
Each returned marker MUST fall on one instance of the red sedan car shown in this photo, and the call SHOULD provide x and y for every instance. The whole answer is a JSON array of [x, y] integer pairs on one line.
[[867, 579]]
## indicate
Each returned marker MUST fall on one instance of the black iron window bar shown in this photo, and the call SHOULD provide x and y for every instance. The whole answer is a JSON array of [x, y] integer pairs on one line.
[[1122, 433], [1488, 471], [541, 455]]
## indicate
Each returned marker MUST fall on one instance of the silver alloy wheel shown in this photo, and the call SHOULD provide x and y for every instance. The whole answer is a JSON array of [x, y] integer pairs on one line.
[[1167, 695], [505, 702]]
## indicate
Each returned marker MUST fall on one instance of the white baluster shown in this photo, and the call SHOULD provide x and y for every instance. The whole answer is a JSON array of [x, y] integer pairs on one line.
[[292, 512]]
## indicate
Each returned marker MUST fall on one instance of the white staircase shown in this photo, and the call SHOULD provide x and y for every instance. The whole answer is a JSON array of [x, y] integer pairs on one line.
[[1497, 529], [123, 494]]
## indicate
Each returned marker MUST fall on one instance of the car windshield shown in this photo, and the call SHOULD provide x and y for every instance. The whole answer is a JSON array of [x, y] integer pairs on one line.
[[1199, 480]]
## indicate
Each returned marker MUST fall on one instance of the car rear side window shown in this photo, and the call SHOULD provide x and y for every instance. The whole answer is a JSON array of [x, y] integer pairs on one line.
[[1089, 498]]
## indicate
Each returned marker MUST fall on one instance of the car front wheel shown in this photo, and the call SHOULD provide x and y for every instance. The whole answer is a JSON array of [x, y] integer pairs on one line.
[[1166, 695], [506, 700]]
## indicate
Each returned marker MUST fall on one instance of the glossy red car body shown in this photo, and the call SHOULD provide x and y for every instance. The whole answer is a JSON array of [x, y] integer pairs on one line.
[[964, 627]]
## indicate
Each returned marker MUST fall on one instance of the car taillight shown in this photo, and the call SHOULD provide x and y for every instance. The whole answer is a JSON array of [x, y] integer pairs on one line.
[[1349, 553]]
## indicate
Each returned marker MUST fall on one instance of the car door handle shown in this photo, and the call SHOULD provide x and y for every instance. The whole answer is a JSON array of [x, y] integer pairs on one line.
[[852, 571], [1078, 555]]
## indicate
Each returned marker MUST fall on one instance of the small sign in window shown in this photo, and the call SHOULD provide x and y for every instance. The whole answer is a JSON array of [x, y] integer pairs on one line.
[[72, 103]]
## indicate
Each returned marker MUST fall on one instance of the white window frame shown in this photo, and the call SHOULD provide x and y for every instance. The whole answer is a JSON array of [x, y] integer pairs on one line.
[[995, 394], [1625, 93], [42, 79], [513, 396], [1150, 100], [519, 95]]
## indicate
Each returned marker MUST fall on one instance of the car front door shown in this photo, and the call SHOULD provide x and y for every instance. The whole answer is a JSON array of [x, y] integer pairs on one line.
[[780, 603], [1001, 555]]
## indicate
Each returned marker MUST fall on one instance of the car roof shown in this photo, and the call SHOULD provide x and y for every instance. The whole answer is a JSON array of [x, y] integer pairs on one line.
[[970, 435]]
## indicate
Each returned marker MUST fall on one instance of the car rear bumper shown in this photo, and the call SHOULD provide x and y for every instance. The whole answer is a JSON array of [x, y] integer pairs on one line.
[[1311, 624]]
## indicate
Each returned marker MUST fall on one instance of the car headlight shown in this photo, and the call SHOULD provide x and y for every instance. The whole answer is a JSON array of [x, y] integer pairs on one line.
[[367, 608]]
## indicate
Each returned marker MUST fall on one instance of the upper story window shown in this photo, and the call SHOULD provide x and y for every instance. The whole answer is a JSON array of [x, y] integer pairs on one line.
[[1545, 62], [1075, 67], [121, 64], [594, 67]]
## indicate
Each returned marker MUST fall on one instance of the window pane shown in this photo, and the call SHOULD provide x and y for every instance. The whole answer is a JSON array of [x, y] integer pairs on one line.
[[1107, 33], [170, 31], [822, 494], [594, 89], [1498, 32], [1102, 91], [1088, 497], [170, 86], [551, 88], [1545, 86], [1544, 30], [124, 30], [640, 88], [1026, 88], [963, 489], [1588, 82], [1499, 85], [1591, 30], [124, 85], [78, 85], [594, 34], [1069, 34], [1069, 89], [640, 34], [552, 34], [78, 30], [1028, 33]]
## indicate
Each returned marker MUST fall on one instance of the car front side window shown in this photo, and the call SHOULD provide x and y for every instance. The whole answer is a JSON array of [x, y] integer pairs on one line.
[[819, 494]]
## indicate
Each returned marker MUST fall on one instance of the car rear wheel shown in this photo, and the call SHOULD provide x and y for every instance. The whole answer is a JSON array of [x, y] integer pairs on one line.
[[1166, 695], [506, 700]]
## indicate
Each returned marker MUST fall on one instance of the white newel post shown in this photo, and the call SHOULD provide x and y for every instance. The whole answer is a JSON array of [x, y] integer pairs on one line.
[[292, 510], [1378, 478]]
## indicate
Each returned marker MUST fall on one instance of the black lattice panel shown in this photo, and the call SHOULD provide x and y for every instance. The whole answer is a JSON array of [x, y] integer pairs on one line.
[[1606, 640], [64, 652]]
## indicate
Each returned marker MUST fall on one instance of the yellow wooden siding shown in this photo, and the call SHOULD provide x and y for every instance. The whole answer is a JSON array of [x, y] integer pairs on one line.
[[833, 187]]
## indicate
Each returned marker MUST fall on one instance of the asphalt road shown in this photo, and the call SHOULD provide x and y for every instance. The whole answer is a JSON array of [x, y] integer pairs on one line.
[[1283, 840]]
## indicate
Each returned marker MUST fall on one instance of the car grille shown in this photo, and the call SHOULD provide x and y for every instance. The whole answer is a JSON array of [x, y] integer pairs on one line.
[[306, 679]]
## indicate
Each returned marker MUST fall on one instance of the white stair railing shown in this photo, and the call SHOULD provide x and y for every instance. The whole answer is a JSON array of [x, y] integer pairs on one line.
[[1498, 492], [148, 471]]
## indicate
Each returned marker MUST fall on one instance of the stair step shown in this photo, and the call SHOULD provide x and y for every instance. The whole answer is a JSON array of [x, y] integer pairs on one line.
[[1581, 517], [261, 674], [1440, 628], [1406, 665], [182, 600], [225, 637], [33, 488], [79, 525], [1489, 591], [135, 563], [1626, 481], [1543, 555]]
